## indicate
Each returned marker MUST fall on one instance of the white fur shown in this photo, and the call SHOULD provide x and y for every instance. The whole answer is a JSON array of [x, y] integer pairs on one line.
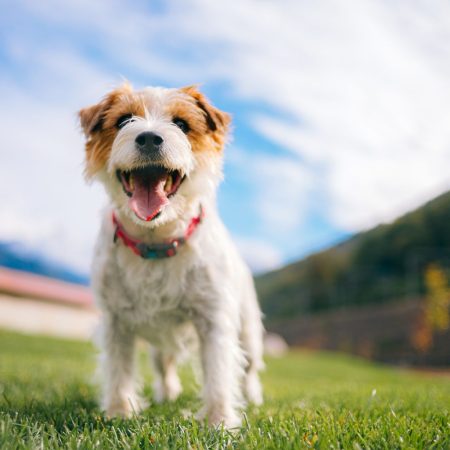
[[204, 296]]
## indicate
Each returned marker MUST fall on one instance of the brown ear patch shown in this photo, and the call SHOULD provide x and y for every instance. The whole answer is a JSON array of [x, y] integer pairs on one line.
[[217, 121], [98, 121], [98, 126], [93, 117], [209, 120]]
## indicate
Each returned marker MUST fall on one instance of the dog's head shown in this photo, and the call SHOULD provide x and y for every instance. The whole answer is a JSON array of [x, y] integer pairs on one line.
[[156, 150]]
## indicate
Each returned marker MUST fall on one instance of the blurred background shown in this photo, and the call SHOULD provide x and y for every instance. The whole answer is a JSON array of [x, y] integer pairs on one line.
[[336, 181]]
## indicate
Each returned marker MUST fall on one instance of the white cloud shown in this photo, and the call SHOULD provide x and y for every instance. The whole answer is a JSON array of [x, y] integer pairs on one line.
[[261, 256], [45, 201], [282, 196], [368, 89], [366, 86]]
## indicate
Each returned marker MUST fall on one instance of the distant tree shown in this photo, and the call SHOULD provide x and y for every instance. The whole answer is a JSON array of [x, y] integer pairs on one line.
[[381, 265], [436, 310]]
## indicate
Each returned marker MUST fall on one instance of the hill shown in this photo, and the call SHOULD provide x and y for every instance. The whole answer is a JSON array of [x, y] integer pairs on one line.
[[384, 264], [15, 256]]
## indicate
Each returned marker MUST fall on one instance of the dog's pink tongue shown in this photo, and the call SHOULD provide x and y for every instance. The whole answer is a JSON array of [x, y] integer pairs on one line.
[[148, 196]]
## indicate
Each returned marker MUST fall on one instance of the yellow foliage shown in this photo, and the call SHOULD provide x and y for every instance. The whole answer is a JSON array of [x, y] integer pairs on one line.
[[422, 339], [436, 310], [437, 302]]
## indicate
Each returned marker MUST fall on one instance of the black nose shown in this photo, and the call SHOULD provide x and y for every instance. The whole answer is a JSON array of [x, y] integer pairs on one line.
[[148, 142]]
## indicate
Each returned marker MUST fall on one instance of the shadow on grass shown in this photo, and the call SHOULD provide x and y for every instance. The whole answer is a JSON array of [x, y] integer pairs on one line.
[[75, 421], [77, 410]]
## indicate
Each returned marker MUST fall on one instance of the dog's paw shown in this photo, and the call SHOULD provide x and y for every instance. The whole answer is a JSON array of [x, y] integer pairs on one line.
[[124, 408], [218, 418], [169, 390], [253, 389], [120, 412], [228, 421], [173, 391]]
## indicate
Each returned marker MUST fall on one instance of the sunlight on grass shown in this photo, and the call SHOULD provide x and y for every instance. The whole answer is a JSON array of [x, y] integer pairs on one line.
[[313, 400]]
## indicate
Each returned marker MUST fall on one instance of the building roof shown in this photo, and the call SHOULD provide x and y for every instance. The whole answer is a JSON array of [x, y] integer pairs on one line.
[[24, 284]]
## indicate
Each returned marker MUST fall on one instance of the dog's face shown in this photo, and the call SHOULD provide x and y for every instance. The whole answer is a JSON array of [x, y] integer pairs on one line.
[[156, 150]]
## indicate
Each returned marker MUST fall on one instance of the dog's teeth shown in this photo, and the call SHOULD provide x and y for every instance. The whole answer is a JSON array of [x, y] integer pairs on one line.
[[168, 185], [131, 182]]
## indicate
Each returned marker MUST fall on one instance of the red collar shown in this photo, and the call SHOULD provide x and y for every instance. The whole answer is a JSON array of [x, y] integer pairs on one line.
[[155, 251]]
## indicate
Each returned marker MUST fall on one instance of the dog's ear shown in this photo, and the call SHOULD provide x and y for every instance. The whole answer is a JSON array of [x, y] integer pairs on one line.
[[92, 117], [217, 121]]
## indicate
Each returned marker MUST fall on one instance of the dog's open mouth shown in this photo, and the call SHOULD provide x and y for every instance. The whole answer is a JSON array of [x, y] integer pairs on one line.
[[149, 189]]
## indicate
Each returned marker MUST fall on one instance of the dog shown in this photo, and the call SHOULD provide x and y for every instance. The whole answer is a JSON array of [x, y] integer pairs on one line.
[[165, 268]]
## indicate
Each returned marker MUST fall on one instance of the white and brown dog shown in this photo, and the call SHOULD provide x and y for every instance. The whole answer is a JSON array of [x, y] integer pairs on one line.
[[165, 268]]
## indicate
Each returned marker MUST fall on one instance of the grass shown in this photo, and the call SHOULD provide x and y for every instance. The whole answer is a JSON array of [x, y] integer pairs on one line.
[[313, 400]]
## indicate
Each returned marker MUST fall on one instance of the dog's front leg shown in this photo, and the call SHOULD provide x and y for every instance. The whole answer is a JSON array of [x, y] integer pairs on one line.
[[117, 369], [222, 371]]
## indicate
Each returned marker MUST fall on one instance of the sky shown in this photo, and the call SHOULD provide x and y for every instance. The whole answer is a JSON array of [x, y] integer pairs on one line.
[[341, 112]]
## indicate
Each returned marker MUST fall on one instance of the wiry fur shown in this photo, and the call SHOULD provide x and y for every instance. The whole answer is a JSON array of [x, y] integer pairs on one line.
[[204, 295]]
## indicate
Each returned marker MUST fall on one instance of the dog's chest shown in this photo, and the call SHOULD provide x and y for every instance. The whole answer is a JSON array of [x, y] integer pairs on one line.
[[157, 293]]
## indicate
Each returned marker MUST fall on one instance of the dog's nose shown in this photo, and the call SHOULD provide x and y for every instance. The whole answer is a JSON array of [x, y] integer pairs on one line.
[[148, 142]]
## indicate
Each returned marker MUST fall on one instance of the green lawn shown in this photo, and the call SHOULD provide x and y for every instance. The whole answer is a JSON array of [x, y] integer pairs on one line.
[[313, 400]]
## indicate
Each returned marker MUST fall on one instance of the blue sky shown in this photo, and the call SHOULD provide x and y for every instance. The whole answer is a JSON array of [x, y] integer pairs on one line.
[[341, 112]]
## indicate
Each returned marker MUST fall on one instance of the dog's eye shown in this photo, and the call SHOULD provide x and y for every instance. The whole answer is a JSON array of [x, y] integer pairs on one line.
[[181, 124], [123, 120]]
